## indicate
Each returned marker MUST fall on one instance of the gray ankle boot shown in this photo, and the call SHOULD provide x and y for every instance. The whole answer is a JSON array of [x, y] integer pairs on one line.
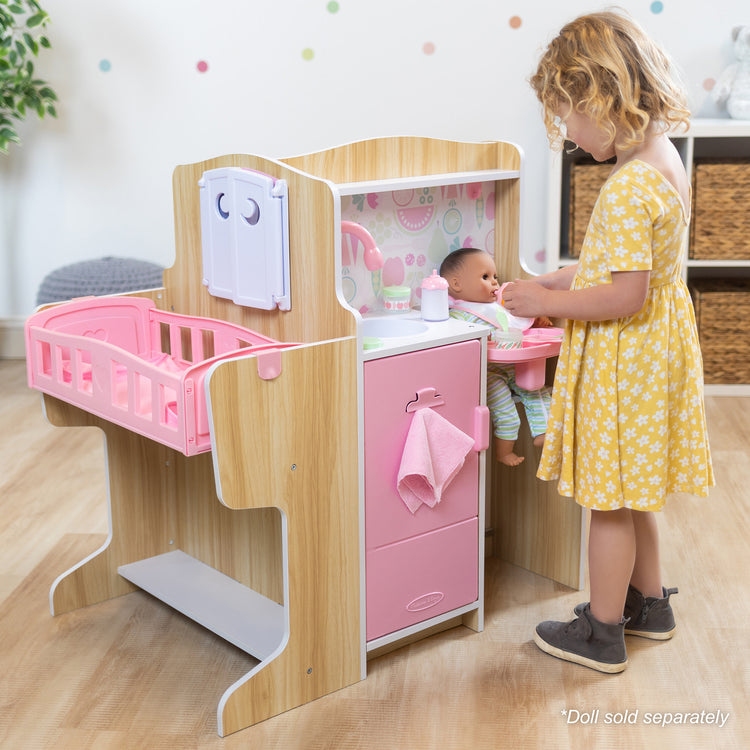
[[585, 641], [650, 616]]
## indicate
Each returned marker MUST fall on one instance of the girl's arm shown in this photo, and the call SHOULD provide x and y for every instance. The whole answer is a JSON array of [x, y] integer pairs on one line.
[[623, 297], [560, 279]]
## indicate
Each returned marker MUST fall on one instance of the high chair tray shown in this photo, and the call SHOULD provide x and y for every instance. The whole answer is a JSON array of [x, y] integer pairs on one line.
[[538, 343], [142, 368]]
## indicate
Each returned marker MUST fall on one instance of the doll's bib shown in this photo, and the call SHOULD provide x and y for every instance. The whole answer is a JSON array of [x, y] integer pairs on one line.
[[493, 313]]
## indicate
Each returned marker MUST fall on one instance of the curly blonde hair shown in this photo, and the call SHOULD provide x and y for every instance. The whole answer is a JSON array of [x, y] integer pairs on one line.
[[604, 65]]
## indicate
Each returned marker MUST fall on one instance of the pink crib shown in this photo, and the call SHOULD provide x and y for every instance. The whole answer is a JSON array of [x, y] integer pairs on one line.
[[142, 368]]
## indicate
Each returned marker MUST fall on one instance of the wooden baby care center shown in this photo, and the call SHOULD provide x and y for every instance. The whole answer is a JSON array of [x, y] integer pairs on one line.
[[259, 486]]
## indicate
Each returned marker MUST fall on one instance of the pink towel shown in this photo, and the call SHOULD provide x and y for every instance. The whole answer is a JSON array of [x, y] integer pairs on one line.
[[434, 453]]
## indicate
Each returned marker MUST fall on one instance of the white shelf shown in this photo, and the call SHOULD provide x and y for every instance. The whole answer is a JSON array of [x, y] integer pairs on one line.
[[431, 180], [738, 263], [236, 613], [716, 128]]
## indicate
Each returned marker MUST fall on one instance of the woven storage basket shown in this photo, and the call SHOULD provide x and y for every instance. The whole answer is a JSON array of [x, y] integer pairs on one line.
[[586, 181], [721, 210], [722, 311]]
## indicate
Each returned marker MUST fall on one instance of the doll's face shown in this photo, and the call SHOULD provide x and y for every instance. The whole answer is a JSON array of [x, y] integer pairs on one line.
[[475, 280]]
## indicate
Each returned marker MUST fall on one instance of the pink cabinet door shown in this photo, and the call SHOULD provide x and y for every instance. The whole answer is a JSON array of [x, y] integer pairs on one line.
[[416, 579], [390, 384]]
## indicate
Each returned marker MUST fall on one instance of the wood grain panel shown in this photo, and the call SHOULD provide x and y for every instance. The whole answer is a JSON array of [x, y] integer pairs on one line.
[[389, 158], [315, 312], [273, 448]]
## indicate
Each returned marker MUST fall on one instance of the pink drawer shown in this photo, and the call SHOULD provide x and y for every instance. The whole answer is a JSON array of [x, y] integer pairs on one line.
[[390, 384], [416, 579]]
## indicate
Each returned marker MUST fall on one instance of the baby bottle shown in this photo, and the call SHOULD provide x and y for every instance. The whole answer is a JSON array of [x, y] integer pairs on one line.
[[434, 298]]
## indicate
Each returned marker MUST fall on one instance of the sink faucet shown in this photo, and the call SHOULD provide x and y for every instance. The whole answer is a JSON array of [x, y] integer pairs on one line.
[[372, 256]]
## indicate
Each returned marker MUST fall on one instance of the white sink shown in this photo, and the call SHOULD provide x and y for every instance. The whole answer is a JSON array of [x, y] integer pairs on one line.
[[389, 328]]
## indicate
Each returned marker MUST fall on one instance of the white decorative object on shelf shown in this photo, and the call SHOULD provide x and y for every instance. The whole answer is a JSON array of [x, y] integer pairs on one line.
[[733, 86]]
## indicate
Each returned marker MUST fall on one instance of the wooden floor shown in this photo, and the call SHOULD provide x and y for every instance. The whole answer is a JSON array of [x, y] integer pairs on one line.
[[131, 673]]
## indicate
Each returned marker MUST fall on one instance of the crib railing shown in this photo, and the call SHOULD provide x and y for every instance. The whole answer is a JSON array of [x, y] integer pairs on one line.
[[142, 368]]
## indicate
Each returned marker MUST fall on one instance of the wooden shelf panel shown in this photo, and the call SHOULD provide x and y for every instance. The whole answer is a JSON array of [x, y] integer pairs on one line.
[[234, 612]]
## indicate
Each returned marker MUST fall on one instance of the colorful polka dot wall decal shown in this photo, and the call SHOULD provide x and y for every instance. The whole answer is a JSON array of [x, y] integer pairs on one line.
[[428, 48], [332, 7], [515, 22], [202, 66], [105, 66], [657, 6], [709, 84]]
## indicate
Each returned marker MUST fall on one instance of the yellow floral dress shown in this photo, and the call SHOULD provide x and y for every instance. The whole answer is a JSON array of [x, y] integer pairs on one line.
[[627, 425]]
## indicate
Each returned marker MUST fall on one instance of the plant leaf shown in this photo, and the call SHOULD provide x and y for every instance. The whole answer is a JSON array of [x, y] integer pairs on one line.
[[31, 44], [36, 20], [20, 91]]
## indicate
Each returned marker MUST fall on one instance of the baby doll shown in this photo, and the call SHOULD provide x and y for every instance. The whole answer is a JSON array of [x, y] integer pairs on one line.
[[473, 285]]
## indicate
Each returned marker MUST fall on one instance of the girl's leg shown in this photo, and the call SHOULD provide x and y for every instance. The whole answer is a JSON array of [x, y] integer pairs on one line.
[[596, 638], [612, 553], [647, 604], [646, 575]]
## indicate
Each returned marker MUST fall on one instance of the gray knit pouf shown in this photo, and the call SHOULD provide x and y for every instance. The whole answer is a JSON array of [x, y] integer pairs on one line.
[[97, 277]]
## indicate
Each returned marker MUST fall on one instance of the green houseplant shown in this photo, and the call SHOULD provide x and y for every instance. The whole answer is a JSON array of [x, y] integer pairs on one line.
[[22, 24]]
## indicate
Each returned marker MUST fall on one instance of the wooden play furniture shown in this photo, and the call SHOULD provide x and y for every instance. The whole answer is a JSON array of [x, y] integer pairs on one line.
[[261, 539]]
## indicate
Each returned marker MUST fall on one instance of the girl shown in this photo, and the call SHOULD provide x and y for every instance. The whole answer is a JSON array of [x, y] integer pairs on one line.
[[627, 425]]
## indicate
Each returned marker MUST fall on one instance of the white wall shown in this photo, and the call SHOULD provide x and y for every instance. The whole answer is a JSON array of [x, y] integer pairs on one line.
[[97, 181]]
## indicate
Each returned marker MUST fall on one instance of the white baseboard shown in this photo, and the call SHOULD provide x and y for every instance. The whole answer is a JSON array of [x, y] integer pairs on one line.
[[12, 344], [726, 390]]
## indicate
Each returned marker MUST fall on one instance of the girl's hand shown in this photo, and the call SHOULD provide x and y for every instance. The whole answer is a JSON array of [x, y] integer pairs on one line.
[[524, 298]]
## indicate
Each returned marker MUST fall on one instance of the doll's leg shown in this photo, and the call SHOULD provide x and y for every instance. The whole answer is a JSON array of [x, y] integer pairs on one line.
[[505, 417], [536, 405]]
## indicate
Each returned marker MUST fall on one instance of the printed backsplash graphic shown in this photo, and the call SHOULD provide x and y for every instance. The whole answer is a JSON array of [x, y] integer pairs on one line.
[[414, 229]]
